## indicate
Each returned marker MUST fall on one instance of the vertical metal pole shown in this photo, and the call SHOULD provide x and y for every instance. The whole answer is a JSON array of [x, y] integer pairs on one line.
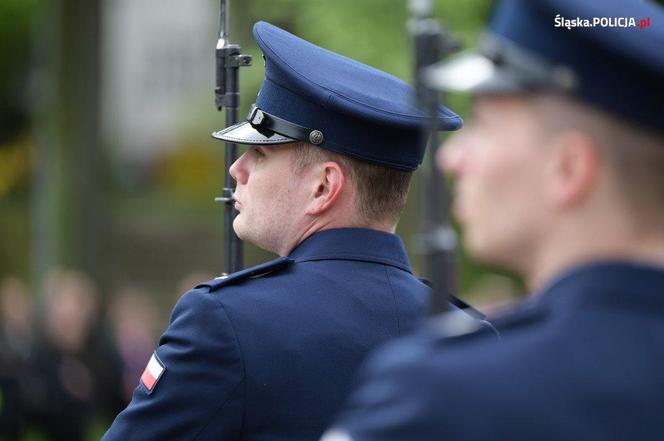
[[432, 43], [233, 250], [227, 95]]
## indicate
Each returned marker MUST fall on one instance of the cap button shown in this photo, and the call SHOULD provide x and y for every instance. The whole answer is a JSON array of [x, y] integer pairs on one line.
[[316, 137]]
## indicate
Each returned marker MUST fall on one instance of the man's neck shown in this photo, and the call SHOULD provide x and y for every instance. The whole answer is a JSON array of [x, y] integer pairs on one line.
[[563, 255], [320, 224]]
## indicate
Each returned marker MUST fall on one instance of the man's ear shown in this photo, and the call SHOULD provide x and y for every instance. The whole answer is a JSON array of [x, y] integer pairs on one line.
[[330, 182], [574, 169]]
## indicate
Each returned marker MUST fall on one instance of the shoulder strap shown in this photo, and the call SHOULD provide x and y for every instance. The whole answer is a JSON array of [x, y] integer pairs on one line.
[[461, 304], [248, 273]]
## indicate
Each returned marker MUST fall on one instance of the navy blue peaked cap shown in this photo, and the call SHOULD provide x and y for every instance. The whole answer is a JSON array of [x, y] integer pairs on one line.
[[607, 53], [312, 94]]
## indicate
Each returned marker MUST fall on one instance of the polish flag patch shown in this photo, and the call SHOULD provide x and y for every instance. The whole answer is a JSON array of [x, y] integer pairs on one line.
[[152, 373]]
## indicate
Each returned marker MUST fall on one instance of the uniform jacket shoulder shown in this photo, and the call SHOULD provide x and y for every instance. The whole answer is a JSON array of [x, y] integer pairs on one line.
[[262, 270], [455, 326]]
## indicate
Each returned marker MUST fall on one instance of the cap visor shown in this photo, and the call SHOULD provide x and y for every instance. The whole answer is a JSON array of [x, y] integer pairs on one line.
[[471, 73], [244, 133]]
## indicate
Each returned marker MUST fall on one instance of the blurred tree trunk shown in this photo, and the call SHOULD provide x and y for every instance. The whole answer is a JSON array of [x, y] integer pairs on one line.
[[66, 212]]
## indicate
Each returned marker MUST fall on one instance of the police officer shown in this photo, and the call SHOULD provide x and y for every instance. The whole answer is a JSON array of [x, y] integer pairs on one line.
[[560, 178], [268, 353]]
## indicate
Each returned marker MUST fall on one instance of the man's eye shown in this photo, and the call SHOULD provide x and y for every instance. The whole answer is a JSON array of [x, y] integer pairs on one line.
[[258, 151]]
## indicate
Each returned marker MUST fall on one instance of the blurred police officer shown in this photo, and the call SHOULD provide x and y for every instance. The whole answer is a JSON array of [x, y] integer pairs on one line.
[[560, 178], [267, 353]]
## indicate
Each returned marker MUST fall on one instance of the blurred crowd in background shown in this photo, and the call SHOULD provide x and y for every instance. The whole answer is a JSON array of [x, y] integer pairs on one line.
[[71, 363], [63, 369]]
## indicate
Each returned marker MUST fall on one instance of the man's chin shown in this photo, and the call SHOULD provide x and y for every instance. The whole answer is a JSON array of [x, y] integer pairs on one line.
[[478, 249], [487, 253], [238, 228], [246, 233]]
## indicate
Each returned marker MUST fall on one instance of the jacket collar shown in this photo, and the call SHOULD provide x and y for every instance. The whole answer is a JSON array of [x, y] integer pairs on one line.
[[615, 283], [360, 244]]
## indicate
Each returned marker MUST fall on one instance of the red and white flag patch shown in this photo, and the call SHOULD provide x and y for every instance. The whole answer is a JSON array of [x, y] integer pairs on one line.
[[152, 373]]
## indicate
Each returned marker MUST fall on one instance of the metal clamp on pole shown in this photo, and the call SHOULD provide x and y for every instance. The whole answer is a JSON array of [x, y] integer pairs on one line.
[[432, 42], [228, 60]]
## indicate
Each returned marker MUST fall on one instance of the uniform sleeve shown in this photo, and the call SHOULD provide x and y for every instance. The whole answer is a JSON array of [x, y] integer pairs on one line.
[[391, 401], [198, 396]]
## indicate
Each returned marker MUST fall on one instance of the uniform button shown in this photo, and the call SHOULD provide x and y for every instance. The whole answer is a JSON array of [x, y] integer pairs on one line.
[[316, 137]]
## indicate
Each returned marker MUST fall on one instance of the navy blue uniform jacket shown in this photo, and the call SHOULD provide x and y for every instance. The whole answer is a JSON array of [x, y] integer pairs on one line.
[[583, 360], [268, 353]]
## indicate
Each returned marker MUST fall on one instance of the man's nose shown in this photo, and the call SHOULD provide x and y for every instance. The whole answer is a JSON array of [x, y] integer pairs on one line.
[[238, 170], [449, 157]]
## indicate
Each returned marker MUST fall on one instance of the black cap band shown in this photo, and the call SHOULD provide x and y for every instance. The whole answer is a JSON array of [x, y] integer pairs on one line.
[[261, 120]]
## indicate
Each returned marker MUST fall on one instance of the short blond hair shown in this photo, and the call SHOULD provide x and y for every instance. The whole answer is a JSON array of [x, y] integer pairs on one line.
[[381, 191]]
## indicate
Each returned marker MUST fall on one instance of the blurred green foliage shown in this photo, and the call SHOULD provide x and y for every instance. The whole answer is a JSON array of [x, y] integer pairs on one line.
[[16, 20], [178, 186]]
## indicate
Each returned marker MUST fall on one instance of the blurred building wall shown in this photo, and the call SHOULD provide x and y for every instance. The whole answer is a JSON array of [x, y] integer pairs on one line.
[[157, 59]]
